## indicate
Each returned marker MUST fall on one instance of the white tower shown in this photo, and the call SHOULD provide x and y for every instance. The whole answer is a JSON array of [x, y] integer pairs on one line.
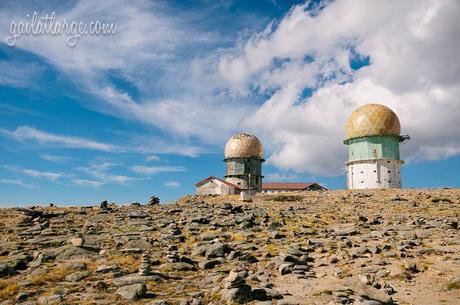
[[373, 137]]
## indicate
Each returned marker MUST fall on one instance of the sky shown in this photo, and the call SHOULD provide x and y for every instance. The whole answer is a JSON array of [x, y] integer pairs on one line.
[[146, 110]]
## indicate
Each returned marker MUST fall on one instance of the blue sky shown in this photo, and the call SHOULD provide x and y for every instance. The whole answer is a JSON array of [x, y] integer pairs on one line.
[[147, 110]]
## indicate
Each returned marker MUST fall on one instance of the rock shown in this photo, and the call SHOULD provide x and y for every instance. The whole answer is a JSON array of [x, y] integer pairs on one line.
[[260, 294], [55, 298], [6, 270], [104, 205], [455, 283], [144, 268], [369, 302], [208, 264], [132, 292], [77, 276], [412, 267], [217, 250], [78, 241], [235, 279], [285, 268], [179, 266], [159, 302], [17, 262], [239, 295], [106, 269], [369, 292], [136, 279]]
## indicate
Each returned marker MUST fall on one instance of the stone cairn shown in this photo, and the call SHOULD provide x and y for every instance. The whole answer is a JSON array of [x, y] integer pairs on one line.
[[173, 255], [295, 260], [144, 268], [235, 288]]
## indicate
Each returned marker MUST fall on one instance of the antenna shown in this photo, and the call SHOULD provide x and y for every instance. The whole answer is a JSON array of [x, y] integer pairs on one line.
[[404, 138]]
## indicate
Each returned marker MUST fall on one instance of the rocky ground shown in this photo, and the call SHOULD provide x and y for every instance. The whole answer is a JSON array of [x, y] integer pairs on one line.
[[333, 247]]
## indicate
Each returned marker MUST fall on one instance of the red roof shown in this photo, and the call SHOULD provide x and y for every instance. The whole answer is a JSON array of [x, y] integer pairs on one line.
[[200, 183], [294, 186]]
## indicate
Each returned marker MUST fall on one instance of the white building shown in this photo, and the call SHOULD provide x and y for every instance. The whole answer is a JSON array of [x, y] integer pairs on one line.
[[216, 186], [373, 137]]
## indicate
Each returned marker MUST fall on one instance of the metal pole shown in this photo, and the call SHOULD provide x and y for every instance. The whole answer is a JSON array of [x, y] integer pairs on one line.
[[249, 184]]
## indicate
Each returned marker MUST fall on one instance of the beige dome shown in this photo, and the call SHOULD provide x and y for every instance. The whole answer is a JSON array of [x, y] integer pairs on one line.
[[243, 145], [372, 120]]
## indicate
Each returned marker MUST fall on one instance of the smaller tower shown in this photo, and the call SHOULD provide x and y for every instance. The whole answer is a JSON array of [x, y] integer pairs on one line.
[[243, 157], [373, 137]]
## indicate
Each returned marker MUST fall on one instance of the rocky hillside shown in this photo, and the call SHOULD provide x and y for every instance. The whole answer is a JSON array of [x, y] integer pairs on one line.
[[334, 247]]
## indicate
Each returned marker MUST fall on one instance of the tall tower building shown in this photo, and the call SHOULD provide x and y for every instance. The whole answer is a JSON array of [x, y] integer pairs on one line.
[[243, 157], [373, 137]]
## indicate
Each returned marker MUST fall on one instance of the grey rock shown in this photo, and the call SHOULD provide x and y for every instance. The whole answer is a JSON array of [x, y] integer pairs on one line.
[[132, 292], [179, 266], [368, 292], [239, 295], [285, 268], [217, 250], [159, 302], [55, 298], [77, 276], [106, 269], [208, 264], [135, 279]]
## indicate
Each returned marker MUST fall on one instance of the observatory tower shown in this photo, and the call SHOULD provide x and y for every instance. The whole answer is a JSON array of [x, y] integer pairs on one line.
[[243, 156], [373, 137]]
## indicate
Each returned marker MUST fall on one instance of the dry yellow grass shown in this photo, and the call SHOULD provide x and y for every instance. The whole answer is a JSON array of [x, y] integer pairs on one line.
[[57, 274], [8, 288]]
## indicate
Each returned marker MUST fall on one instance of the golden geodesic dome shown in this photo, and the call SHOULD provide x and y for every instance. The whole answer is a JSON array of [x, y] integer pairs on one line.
[[243, 145], [372, 120]]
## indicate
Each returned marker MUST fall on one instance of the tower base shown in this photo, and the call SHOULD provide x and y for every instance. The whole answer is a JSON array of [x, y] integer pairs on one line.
[[374, 174]]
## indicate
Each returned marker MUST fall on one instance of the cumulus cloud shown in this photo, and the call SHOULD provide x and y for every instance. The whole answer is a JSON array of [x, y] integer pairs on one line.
[[414, 69], [260, 83]]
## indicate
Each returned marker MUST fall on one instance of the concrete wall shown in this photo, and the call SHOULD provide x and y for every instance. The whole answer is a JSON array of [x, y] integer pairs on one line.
[[215, 187], [375, 147], [374, 174], [239, 169]]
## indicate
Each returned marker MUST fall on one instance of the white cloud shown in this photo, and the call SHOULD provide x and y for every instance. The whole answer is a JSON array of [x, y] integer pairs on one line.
[[414, 69], [17, 182], [24, 133], [150, 170], [172, 184], [87, 182], [152, 158], [56, 158], [100, 171], [19, 74], [52, 176], [279, 177]]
